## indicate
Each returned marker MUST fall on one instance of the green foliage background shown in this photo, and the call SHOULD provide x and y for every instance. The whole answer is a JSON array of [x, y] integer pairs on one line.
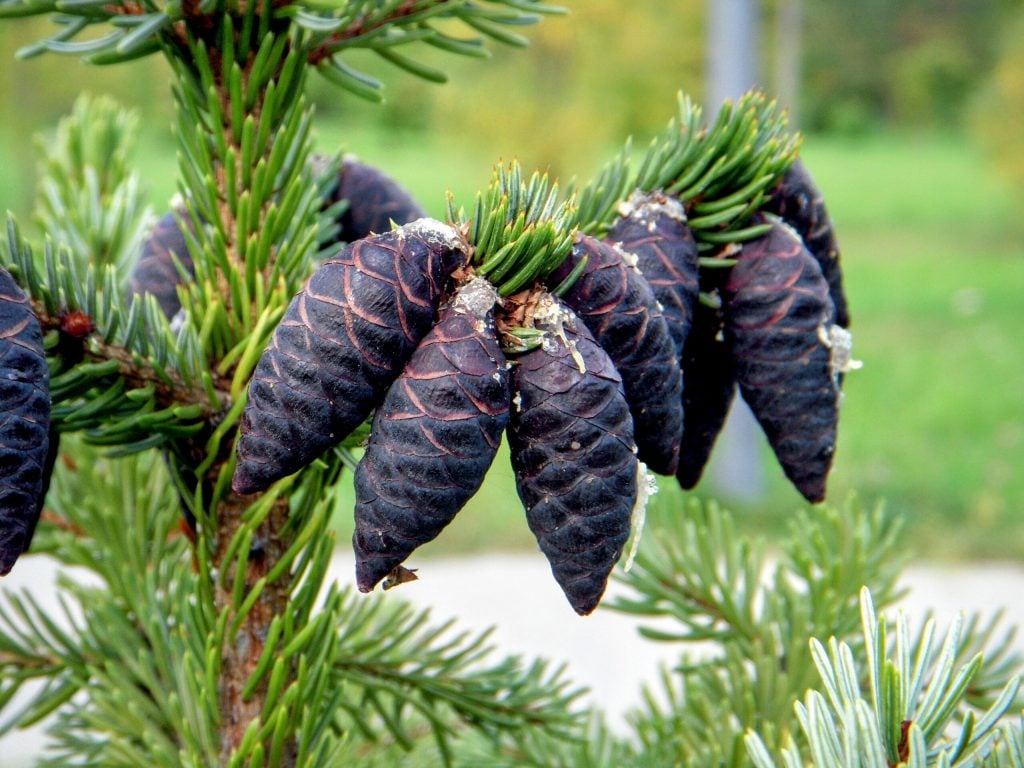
[[999, 108]]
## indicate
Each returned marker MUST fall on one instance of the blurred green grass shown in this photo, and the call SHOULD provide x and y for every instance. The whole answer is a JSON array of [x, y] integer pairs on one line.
[[933, 253]]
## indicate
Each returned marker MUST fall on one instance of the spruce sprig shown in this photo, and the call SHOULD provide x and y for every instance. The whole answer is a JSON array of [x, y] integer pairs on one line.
[[106, 32], [712, 584], [721, 173], [912, 712], [90, 198], [519, 229]]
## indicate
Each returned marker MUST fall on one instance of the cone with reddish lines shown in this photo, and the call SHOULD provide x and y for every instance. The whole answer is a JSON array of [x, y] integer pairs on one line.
[[433, 437], [24, 422], [156, 271], [571, 441], [343, 340], [616, 303], [797, 199], [710, 389], [652, 227], [721, 175], [778, 319]]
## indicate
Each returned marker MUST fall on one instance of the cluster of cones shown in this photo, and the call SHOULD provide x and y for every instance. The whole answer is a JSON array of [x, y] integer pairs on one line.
[[633, 366], [625, 358], [766, 316]]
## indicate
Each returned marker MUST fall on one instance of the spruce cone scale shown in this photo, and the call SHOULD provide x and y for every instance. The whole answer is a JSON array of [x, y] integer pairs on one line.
[[571, 441], [342, 341], [710, 388], [617, 306], [777, 320], [797, 199], [24, 422], [374, 201], [155, 272], [653, 228], [434, 437]]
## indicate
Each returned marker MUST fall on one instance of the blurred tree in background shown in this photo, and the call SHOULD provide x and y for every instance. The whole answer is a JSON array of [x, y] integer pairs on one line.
[[910, 63], [999, 112], [914, 63]]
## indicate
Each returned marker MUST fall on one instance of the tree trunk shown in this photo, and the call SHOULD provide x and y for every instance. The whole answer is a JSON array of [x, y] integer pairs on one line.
[[241, 652]]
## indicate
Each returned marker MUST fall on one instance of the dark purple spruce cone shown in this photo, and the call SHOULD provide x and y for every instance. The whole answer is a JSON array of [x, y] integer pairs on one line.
[[571, 442], [653, 228], [778, 317], [800, 203], [24, 422], [710, 388], [615, 302], [343, 340], [374, 201], [433, 438], [155, 271]]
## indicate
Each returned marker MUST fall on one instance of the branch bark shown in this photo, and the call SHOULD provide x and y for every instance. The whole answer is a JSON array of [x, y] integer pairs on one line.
[[241, 652]]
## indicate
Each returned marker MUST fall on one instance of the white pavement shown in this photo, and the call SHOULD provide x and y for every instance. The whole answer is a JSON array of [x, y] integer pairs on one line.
[[515, 594]]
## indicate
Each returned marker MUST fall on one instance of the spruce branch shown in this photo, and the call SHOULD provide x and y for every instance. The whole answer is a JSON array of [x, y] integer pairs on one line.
[[402, 672], [101, 341], [715, 585], [912, 711], [386, 27], [129, 30], [133, 29], [595, 746], [123, 631]]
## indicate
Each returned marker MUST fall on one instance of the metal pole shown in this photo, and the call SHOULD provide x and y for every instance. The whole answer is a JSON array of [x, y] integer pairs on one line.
[[788, 27], [733, 55], [733, 49]]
